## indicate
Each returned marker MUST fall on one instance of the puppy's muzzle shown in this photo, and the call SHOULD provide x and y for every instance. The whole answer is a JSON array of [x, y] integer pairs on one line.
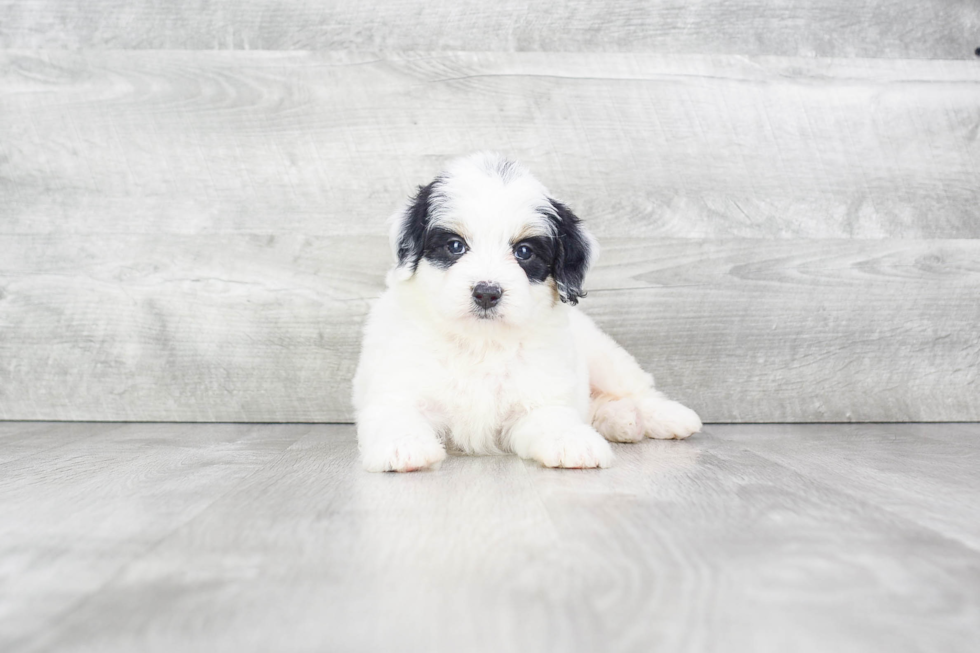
[[487, 295]]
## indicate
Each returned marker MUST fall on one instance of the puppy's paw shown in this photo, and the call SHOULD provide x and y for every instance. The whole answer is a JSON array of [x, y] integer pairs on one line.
[[665, 419], [578, 446], [407, 453], [619, 421]]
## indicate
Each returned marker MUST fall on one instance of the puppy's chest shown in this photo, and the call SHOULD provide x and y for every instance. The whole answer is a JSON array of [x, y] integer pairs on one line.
[[476, 396], [490, 381]]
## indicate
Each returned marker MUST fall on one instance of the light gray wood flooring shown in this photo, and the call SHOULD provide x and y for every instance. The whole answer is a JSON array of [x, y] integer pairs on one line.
[[249, 537]]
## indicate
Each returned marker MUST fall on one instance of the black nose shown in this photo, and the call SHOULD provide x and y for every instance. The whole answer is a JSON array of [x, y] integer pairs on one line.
[[486, 295]]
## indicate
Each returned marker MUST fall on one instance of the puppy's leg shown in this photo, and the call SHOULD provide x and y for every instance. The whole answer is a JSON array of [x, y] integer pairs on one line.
[[625, 405], [556, 436], [395, 437]]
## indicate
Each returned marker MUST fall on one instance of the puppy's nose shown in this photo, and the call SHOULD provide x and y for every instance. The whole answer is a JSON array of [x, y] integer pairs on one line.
[[486, 295]]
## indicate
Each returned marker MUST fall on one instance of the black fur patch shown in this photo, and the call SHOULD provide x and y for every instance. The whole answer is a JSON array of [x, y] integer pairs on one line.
[[436, 250], [572, 253], [415, 223], [541, 264]]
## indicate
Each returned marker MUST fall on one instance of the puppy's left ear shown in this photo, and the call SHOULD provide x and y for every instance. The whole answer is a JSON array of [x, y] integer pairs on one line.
[[577, 250]]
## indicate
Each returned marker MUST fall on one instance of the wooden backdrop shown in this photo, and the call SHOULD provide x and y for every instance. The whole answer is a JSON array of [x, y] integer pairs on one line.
[[193, 195]]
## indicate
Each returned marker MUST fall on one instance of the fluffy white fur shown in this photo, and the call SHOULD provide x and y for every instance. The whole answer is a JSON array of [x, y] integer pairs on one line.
[[533, 376]]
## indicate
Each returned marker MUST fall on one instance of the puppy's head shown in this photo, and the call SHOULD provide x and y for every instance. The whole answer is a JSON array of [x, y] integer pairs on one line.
[[486, 243]]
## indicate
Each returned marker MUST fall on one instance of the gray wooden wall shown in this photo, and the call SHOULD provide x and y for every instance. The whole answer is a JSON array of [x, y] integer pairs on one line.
[[192, 195]]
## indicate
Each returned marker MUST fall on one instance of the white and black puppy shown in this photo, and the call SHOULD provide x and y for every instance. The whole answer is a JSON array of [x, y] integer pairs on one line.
[[476, 344]]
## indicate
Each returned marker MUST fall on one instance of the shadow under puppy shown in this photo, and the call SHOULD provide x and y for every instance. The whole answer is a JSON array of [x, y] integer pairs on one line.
[[477, 345]]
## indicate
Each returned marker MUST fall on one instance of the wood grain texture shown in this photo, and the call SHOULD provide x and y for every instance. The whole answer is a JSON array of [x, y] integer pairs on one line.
[[704, 545], [930, 29], [263, 328], [75, 515], [638, 144], [902, 468], [815, 331], [20, 439], [817, 547], [183, 328]]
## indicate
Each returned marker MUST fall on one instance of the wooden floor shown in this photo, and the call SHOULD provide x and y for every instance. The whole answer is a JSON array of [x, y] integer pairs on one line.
[[202, 537]]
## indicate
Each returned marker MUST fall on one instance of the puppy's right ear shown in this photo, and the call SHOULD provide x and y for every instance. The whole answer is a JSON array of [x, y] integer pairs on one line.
[[407, 231]]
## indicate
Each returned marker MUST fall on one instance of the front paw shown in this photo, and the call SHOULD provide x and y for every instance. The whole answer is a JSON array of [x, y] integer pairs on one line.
[[407, 453], [577, 446], [665, 419]]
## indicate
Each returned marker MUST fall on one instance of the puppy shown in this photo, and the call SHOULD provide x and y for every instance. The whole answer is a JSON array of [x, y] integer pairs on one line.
[[476, 344]]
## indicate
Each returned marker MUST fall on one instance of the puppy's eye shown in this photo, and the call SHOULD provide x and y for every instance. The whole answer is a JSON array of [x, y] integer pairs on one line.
[[523, 252], [456, 247]]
